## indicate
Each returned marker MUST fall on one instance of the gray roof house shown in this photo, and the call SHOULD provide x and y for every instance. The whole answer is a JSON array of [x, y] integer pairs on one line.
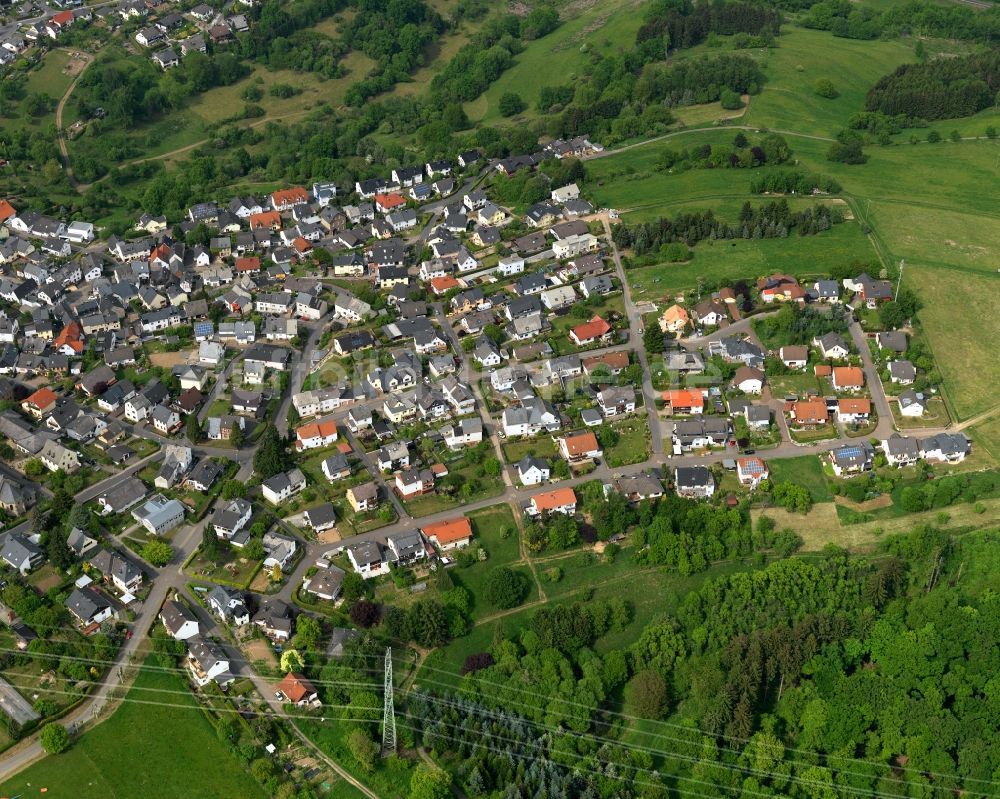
[[21, 554]]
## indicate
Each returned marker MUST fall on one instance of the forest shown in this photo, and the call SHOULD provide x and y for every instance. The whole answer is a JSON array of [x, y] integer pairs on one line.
[[680, 24], [132, 91], [938, 89], [913, 17], [804, 678]]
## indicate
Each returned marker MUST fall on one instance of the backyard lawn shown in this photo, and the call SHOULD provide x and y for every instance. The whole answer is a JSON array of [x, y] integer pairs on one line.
[[633, 441], [161, 750], [807, 471]]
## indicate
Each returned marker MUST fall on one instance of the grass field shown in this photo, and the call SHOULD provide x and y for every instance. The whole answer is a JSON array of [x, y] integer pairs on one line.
[[156, 751], [986, 436], [732, 260], [49, 78], [804, 56], [807, 471], [823, 525], [560, 57]]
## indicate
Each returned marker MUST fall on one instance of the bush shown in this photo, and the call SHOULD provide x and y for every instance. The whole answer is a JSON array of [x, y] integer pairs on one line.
[[824, 88], [847, 152], [506, 588], [365, 614], [933, 137], [510, 104], [477, 661], [730, 100], [54, 738], [646, 694]]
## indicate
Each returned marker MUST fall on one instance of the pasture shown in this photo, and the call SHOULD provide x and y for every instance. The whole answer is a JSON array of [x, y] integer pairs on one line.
[[157, 744]]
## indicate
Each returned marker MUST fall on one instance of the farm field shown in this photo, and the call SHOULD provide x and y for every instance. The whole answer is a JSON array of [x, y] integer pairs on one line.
[[171, 751]]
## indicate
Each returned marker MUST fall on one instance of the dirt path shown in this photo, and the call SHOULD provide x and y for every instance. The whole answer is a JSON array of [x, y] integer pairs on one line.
[[88, 59]]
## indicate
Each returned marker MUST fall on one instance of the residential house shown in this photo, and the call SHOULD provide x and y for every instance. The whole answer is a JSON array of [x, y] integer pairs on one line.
[[412, 481], [597, 329], [945, 447], [683, 401], [832, 346], [296, 690], [700, 433], [207, 662], [450, 534], [367, 559], [179, 620], [159, 515], [848, 378], [794, 356], [902, 372], [364, 497], [89, 607], [231, 519], [901, 450], [851, 459], [315, 434], [325, 584], [694, 482], [750, 471], [320, 517], [559, 500], [228, 605], [749, 380], [275, 619], [912, 403], [532, 471], [616, 401], [20, 554], [280, 487]]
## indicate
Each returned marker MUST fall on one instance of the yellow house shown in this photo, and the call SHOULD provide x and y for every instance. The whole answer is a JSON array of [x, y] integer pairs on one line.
[[674, 319]]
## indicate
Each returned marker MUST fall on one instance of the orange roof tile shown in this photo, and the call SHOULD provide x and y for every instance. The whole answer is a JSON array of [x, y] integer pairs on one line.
[[548, 500], [442, 284], [581, 443], [42, 398], [72, 333], [859, 405], [613, 360], [248, 264], [296, 687], [848, 376], [301, 245], [265, 219], [810, 411], [449, 531], [316, 429], [6, 211], [389, 200], [595, 328], [823, 370], [684, 397], [675, 314], [296, 194]]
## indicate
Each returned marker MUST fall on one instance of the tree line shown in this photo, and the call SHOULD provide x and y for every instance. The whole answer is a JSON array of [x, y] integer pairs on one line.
[[772, 220], [680, 24], [938, 89]]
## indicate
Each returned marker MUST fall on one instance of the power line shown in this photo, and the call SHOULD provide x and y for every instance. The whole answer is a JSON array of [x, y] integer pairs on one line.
[[388, 710], [666, 752]]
